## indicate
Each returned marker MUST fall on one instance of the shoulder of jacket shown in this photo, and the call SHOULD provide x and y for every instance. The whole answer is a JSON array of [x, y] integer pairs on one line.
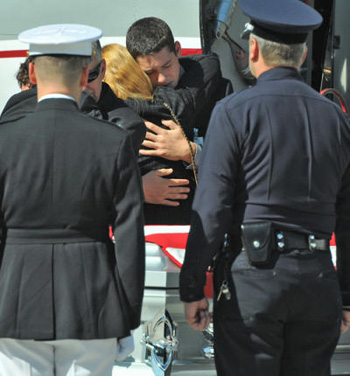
[[106, 125], [239, 97], [206, 59]]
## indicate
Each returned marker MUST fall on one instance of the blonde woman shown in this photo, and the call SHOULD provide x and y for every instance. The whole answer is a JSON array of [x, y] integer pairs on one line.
[[130, 83], [124, 75]]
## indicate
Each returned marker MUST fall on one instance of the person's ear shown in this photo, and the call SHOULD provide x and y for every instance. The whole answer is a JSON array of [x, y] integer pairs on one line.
[[253, 50], [31, 72], [178, 49], [304, 56], [103, 68], [84, 76]]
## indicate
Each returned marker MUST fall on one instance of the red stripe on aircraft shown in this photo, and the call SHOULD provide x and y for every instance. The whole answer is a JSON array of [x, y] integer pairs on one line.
[[191, 51], [13, 53], [24, 53]]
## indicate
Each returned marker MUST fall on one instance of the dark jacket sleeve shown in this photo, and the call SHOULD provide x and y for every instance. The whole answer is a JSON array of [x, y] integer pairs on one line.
[[128, 231], [115, 110], [342, 234], [20, 105], [180, 104], [128, 119], [203, 73], [212, 206]]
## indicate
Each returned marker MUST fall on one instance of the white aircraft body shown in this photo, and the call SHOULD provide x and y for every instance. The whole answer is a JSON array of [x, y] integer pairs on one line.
[[200, 25], [112, 16]]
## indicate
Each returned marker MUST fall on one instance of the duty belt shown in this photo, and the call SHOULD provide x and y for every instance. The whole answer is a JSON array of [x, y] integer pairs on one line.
[[287, 240]]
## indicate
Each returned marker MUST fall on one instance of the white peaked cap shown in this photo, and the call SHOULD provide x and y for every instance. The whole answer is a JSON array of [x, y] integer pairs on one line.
[[60, 39]]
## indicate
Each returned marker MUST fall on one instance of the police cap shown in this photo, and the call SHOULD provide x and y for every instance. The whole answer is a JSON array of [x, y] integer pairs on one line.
[[60, 39], [282, 21]]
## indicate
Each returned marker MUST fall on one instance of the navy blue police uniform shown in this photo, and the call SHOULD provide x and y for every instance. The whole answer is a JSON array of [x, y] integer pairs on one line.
[[275, 176]]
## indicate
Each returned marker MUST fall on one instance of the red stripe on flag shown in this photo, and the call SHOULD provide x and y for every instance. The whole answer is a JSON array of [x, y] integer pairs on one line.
[[332, 242], [13, 53], [178, 240]]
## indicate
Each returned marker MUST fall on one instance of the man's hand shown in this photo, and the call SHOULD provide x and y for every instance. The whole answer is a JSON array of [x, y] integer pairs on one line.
[[167, 143], [161, 191], [197, 314], [345, 324]]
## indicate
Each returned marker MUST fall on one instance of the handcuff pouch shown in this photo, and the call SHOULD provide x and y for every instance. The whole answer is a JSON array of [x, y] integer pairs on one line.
[[256, 240]]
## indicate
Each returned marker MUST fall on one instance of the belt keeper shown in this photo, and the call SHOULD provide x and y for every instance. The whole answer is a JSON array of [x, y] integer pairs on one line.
[[312, 243], [280, 241]]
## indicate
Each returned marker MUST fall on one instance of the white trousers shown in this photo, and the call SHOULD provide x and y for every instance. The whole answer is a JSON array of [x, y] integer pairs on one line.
[[59, 358]]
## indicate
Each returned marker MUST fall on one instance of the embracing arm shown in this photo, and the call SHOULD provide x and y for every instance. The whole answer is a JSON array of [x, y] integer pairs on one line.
[[110, 107], [128, 119], [162, 191], [167, 143]]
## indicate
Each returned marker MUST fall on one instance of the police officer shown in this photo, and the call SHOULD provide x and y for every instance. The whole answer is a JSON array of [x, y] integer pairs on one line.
[[275, 176]]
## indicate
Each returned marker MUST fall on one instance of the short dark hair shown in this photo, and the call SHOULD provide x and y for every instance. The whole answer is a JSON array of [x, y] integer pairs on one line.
[[64, 68], [22, 74], [149, 35]]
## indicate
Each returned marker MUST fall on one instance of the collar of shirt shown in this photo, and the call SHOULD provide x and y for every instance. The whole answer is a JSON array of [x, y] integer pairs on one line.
[[280, 73], [56, 96]]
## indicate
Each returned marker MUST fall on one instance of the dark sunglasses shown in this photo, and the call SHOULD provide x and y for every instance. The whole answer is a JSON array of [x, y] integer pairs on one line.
[[94, 73]]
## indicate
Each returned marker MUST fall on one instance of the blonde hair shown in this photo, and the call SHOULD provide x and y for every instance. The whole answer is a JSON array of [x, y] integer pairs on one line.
[[124, 75]]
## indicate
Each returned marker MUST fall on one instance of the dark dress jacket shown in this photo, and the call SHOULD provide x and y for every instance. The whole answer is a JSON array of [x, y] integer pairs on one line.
[[109, 107], [181, 103], [65, 178], [282, 155], [20, 105]]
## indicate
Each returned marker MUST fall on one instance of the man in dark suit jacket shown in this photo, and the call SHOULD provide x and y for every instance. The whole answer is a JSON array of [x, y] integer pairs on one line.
[[151, 43], [66, 178]]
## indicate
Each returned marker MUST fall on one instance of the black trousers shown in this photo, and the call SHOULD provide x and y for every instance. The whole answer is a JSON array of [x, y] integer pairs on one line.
[[283, 319]]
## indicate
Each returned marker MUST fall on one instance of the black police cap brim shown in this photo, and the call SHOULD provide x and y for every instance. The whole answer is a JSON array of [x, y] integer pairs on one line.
[[282, 16]]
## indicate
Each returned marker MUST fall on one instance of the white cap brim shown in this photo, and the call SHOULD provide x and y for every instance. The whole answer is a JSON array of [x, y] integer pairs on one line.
[[79, 49], [60, 39]]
